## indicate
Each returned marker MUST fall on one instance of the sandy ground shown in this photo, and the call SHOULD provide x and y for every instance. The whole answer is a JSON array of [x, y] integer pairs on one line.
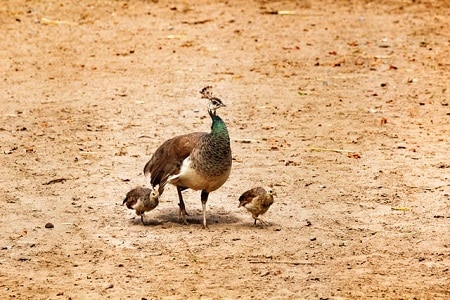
[[343, 106]]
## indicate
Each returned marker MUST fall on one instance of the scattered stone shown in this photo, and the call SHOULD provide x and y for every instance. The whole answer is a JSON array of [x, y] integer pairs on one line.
[[49, 225]]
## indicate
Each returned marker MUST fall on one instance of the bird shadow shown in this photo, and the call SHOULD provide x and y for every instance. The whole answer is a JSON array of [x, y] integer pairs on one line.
[[250, 225], [164, 216], [196, 217], [148, 221]]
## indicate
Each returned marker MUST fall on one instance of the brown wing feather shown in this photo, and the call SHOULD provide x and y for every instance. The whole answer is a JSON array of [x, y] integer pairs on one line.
[[248, 196], [136, 193], [167, 159], [267, 201]]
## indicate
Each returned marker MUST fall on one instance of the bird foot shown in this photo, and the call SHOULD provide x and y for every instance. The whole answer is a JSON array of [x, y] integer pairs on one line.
[[262, 222], [143, 221], [182, 216]]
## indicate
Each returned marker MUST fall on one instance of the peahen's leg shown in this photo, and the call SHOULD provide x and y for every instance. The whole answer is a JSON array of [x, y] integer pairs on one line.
[[182, 214], [204, 198]]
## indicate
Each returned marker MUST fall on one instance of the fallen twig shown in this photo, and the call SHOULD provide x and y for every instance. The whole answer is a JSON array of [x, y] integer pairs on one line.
[[246, 141], [401, 208], [55, 181], [328, 149], [295, 263], [349, 153], [47, 21]]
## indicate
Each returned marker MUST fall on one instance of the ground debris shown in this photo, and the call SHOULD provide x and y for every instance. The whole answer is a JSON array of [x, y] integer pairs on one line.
[[53, 181]]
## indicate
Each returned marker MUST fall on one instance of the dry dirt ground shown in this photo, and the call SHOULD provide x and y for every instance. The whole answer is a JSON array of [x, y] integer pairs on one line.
[[342, 106]]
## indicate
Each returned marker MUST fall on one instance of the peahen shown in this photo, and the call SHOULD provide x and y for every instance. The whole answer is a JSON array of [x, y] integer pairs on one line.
[[198, 161]]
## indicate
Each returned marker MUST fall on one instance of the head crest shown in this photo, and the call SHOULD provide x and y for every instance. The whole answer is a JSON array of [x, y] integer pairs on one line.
[[206, 92], [214, 102]]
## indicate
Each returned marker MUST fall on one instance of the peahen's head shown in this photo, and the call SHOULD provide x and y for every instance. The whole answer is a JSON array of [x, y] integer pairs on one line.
[[214, 102]]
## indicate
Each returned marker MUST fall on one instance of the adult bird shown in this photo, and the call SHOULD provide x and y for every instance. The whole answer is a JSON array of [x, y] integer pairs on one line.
[[198, 160]]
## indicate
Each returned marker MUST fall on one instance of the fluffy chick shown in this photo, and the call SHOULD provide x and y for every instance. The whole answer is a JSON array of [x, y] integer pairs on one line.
[[257, 201], [141, 200]]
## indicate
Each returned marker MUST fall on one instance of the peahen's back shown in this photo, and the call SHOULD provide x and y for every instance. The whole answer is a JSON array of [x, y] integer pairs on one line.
[[168, 158]]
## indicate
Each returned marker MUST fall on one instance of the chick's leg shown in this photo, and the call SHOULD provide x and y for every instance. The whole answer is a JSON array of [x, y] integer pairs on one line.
[[260, 220]]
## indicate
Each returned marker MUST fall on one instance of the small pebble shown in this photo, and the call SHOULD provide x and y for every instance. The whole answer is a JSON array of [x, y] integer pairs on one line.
[[49, 225]]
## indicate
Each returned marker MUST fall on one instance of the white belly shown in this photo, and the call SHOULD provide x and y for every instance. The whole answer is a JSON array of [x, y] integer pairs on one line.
[[190, 178]]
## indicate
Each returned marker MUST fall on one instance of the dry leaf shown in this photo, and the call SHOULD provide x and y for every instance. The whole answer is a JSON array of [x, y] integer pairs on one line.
[[176, 36], [353, 155], [291, 163], [392, 67], [400, 208]]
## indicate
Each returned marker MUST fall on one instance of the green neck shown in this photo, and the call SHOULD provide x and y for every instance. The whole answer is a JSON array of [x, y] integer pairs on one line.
[[218, 127]]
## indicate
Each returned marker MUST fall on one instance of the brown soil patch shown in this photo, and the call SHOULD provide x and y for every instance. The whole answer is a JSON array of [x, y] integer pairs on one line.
[[90, 89]]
